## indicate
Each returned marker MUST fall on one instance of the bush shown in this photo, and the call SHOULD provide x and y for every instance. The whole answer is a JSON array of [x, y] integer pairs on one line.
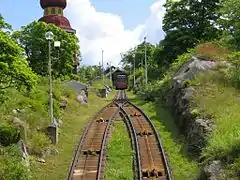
[[39, 143], [9, 134], [159, 88], [11, 167]]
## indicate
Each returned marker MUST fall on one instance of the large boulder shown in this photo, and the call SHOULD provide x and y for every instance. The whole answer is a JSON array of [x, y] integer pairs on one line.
[[189, 70], [82, 98], [81, 90]]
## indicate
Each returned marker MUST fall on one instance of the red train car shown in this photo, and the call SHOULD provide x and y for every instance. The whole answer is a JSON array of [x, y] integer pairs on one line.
[[120, 80]]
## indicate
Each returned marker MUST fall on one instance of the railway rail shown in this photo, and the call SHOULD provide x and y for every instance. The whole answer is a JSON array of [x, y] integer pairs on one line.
[[90, 156]]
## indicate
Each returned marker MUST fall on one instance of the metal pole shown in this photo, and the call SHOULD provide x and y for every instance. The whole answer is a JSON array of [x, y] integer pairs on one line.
[[58, 54], [50, 81], [134, 71], [102, 71], [146, 78], [110, 71]]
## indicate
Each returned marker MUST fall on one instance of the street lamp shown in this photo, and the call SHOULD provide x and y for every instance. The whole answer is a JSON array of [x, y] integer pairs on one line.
[[49, 37], [134, 80], [102, 71], [110, 64], [57, 45], [145, 47]]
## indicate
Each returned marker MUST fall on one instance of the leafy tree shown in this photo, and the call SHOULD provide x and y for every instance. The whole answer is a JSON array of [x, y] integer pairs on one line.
[[186, 22], [32, 39], [229, 21], [14, 69], [4, 25]]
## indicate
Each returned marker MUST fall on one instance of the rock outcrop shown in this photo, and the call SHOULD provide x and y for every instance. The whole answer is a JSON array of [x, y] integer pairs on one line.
[[179, 98], [212, 171], [81, 90], [194, 127]]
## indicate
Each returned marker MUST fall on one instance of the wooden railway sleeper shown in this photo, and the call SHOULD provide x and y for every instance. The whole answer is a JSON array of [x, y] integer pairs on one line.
[[144, 133], [91, 152], [136, 114], [101, 120], [152, 173]]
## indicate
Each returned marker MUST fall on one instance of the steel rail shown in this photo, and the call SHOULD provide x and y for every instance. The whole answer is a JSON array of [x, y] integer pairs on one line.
[[135, 141], [81, 139], [167, 169], [104, 144]]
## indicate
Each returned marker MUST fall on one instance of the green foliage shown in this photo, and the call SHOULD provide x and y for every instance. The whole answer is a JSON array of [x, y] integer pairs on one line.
[[32, 39], [136, 57], [9, 134], [214, 87], [119, 153], [14, 70], [89, 73], [186, 23], [4, 25], [11, 166], [158, 88], [229, 21], [39, 142]]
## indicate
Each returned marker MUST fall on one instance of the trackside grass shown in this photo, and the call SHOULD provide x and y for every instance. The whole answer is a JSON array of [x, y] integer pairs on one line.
[[216, 97], [120, 154], [74, 118], [182, 167]]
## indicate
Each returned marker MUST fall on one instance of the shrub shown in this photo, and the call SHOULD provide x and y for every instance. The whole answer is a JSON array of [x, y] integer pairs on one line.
[[9, 134], [39, 143], [11, 167], [159, 88]]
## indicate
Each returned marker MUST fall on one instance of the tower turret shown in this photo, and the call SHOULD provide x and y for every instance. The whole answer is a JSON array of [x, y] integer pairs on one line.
[[53, 13]]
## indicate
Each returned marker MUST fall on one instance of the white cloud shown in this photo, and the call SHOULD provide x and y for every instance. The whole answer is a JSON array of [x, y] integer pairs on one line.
[[101, 30]]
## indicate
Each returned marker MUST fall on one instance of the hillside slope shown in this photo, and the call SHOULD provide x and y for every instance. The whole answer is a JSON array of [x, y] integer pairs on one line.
[[201, 90]]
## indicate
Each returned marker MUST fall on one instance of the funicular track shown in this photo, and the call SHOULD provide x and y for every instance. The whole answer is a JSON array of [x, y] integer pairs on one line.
[[153, 162], [89, 160]]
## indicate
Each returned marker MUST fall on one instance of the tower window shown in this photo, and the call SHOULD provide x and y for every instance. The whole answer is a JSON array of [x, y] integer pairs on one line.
[[59, 11], [46, 12], [53, 11]]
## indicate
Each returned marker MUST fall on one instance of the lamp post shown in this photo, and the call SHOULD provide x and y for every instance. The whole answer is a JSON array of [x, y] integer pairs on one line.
[[110, 64], [49, 37], [57, 45], [134, 80], [145, 47], [102, 71]]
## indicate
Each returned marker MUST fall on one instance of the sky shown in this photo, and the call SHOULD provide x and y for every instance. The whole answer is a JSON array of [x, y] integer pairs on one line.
[[113, 26]]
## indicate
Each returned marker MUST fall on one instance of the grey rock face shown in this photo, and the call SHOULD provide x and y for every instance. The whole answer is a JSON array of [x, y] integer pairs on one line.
[[24, 153], [189, 69], [78, 87], [212, 171], [82, 98], [179, 98]]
